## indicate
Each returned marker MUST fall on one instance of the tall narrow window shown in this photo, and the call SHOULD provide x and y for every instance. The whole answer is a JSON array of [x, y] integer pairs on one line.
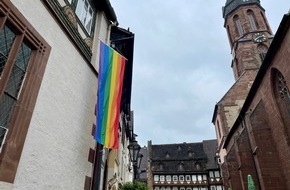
[[84, 12], [252, 20], [23, 58], [239, 26], [13, 85], [283, 92]]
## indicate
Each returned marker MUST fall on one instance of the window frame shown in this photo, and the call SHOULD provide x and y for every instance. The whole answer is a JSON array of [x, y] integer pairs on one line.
[[252, 20], [21, 115], [168, 178], [80, 5], [174, 178], [238, 25], [156, 178], [181, 178]]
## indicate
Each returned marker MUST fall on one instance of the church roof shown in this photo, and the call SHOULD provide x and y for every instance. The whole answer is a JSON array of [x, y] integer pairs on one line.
[[233, 4]]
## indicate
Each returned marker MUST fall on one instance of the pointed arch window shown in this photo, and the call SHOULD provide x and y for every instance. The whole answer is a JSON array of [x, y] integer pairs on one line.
[[282, 91], [252, 20], [239, 27]]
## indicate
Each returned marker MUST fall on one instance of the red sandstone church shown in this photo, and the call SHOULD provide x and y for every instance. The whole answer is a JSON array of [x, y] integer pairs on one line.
[[252, 119]]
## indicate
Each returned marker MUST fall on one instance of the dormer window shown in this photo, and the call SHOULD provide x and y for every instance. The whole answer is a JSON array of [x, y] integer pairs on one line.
[[85, 14], [180, 166], [167, 155], [190, 154], [161, 166], [197, 166]]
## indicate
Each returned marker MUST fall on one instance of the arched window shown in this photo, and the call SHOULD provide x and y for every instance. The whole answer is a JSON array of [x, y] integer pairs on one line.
[[282, 97], [282, 91], [262, 49], [239, 27], [252, 20]]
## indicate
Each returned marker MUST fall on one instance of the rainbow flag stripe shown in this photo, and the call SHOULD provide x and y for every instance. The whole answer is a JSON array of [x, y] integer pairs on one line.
[[110, 83]]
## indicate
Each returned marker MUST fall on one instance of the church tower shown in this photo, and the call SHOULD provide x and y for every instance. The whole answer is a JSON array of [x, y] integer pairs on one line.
[[249, 36], [248, 32]]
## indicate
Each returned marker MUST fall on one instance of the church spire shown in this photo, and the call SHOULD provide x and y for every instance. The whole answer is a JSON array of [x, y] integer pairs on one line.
[[249, 34]]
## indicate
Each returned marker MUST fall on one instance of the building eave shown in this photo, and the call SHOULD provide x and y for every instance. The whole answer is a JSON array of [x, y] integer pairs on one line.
[[105, 5]]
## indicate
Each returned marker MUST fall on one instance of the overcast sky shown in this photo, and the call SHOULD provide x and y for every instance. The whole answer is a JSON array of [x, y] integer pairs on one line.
[[181, 65]]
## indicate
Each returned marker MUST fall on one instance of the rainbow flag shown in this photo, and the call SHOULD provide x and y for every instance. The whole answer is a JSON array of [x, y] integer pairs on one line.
[[110, 83]]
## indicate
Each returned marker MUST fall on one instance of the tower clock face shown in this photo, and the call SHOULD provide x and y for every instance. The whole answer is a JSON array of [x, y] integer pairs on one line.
[[259, 37]]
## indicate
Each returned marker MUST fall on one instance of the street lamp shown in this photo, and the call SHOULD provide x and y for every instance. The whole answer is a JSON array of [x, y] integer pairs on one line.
[[134, 149]]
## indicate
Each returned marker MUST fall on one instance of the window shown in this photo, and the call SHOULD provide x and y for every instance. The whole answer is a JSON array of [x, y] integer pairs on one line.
[[182, 188], [194, 179], [85, 14], [181, 178], [160, 166], [197, 166], [188, 188], [14, 83], [174, 188], [211, 174], [199, 178], [219, 187], [252, 20], [168, 188], [216, 173], [156, 177], [180, 166], [167, 155], [175, 178], [239, 26], [162, 188], [156, 188], [162, 178], [23, 58], [282, 91], [187, 177], [168, 178]]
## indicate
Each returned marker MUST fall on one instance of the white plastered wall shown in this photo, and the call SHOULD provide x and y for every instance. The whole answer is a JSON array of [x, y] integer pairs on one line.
[[55, 153]]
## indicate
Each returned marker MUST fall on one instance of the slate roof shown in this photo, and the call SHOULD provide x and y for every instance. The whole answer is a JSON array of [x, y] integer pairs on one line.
[[233, 4], [143, 166], [184, 157]]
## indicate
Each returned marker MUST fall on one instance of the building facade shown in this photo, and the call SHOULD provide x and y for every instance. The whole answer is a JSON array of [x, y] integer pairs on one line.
[[185, 166], [49, 57], [249, 36], [253, 135]]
